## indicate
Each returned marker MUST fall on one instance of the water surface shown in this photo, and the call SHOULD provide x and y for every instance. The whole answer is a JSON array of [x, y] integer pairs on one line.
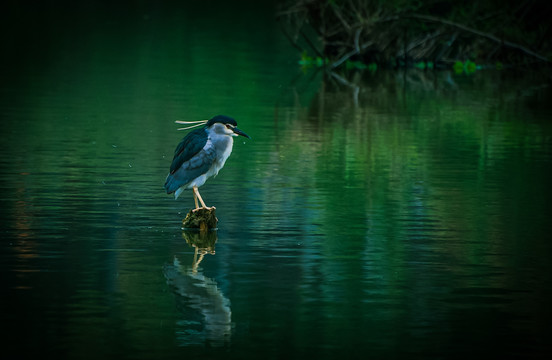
[[410, 220]]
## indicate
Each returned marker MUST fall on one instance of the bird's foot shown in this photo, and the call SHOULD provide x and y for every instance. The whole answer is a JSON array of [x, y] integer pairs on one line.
[[204, 208]]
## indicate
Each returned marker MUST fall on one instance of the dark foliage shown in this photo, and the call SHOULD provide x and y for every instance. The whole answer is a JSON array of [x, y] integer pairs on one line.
[[401, 32]]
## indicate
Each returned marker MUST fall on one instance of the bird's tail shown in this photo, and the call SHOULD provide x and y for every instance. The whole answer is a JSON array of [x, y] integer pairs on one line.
[[173, 186], [170, 184]]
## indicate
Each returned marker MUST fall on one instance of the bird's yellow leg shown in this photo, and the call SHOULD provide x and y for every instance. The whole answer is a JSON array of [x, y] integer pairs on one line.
[[196, 192], [195, 199]]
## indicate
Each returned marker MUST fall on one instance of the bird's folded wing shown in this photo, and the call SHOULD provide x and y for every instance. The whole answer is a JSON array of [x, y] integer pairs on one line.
[[191, 169], [191, 145]]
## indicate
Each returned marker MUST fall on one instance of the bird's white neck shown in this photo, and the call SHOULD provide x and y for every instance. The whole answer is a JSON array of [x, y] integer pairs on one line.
[[223, 146]]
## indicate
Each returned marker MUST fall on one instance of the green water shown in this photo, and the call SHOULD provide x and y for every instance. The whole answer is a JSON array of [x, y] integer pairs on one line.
[[406, 218]]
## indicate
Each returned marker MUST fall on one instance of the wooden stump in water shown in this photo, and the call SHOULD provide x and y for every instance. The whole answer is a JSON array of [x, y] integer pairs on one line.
[[202, 219]]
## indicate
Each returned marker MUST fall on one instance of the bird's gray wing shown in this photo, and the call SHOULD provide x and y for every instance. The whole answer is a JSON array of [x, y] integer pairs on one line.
[[191, 169]]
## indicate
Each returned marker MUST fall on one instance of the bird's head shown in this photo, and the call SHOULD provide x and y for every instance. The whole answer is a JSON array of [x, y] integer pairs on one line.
[[225, 125]]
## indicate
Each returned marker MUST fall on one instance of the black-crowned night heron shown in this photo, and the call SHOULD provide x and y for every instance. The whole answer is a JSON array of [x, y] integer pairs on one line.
[[201, 155]]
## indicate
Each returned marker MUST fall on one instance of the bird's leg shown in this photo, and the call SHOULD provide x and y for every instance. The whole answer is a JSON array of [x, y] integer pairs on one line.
[[195, 199], [196, 192]]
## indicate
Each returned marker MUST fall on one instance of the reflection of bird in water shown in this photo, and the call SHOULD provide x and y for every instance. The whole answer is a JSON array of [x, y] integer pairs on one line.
[[211, 317], [201, 155]]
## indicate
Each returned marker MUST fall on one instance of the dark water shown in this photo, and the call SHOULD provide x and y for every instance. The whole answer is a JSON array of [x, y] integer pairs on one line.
[[410, 220]]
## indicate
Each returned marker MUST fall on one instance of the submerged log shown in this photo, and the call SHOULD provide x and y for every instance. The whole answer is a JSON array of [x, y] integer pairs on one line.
[[202, 219]]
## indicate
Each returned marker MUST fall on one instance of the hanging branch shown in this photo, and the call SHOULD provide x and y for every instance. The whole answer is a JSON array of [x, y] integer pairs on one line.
[[349, 54], [288, 36], [309, 42], [480, 33]]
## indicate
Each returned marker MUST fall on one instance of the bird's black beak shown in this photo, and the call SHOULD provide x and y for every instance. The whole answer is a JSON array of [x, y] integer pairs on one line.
[[239, 132]]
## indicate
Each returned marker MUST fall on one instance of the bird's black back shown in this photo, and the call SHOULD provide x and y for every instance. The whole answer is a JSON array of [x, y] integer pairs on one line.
[[188, 147]]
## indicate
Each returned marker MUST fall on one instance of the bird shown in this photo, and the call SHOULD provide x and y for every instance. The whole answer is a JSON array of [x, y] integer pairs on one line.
[[201, 154]]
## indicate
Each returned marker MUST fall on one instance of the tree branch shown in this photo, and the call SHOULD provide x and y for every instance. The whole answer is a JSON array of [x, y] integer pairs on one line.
[[349, 54], [480, 33]]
